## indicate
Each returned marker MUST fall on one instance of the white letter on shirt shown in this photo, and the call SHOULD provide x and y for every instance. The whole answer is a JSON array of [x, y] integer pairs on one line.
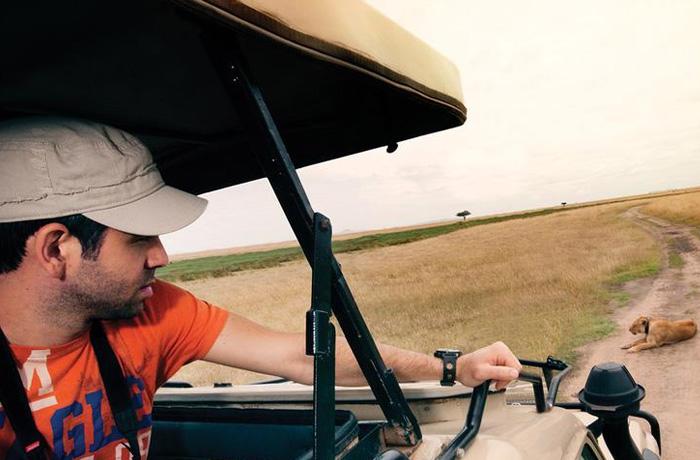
[[36, 364]]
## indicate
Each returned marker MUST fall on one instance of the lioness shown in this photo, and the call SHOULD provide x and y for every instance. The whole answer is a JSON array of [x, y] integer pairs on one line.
[[659, 332]]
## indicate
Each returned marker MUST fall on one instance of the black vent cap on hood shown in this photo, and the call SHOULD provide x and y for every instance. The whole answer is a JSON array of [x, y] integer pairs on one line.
[[610, 386]]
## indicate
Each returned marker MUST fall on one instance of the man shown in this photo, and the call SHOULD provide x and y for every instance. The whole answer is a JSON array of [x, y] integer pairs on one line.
[[81, 208]]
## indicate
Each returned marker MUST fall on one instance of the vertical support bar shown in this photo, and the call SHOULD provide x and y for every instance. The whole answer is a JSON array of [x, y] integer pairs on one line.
[[274, 159], [616, 433], [324, 400], [547, 372], [320, 341]]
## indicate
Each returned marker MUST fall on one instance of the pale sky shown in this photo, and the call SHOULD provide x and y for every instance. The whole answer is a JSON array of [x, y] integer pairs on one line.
[[567, 101]]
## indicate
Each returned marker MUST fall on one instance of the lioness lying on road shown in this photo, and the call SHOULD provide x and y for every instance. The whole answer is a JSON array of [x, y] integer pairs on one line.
[[659, 332]]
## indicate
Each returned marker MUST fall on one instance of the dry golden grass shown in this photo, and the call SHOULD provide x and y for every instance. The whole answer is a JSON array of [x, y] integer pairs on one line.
[[684, 209], [537, 284]]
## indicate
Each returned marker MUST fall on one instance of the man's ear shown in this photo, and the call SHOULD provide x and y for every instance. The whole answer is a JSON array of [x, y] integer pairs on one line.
[[51, 247]]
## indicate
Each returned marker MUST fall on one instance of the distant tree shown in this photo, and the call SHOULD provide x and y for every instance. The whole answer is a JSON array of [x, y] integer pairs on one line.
[[463, 214], [563, 203]]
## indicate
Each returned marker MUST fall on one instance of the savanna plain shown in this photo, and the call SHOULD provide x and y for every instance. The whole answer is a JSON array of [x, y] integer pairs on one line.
[[545, 281]]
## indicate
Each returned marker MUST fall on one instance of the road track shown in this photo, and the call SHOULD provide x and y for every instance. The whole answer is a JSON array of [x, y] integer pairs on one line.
[[670, 374]]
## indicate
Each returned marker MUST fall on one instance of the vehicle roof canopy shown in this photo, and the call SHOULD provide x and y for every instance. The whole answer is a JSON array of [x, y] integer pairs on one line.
[[338, 77]]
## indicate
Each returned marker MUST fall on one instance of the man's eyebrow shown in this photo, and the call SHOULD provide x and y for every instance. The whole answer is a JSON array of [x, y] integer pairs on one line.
[[133, 237]]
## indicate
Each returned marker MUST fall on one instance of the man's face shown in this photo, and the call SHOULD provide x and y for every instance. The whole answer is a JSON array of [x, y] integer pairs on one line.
[[116, 283]]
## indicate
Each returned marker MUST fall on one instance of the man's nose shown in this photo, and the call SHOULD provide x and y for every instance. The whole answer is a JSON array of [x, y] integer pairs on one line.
[[157, 257]]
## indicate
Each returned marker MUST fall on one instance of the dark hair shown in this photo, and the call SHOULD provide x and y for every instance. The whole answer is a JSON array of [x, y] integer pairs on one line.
[[14, 235]]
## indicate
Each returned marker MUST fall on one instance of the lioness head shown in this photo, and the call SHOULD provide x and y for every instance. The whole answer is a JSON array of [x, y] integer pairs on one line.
[[639, 325]]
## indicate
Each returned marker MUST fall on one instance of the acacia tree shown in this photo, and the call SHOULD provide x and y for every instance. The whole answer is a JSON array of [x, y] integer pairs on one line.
[[463, 214]]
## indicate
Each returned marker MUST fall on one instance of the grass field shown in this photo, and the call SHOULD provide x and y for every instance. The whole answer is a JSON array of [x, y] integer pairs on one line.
[[213, 266], [544, 285], [683, 209], [218, 266]]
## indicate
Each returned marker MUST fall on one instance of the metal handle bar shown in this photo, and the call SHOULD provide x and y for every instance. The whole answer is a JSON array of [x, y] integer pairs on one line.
[[653, 424], [552, 381], [537, 388], [472, 425], [480, 393]]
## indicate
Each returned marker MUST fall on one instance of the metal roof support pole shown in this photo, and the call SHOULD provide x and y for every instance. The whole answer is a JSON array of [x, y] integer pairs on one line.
[[278, 167], [320, 341]]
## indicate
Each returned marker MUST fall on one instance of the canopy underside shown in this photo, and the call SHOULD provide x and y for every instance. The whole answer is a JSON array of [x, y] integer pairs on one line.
[[145, 66]]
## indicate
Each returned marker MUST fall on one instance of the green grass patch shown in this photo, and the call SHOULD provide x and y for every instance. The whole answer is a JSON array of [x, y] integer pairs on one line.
[[643, 269], [217, 266], [586, 328], [620, 297], [675, 260], [595, 322]]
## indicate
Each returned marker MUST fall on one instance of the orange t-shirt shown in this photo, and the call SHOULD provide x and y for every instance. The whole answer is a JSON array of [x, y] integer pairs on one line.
[[65, 389]]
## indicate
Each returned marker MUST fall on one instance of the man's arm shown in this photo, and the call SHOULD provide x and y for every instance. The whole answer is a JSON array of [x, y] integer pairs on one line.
[[247, 345]]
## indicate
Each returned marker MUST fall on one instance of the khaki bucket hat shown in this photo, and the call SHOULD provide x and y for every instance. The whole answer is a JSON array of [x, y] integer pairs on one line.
[[55, 167]]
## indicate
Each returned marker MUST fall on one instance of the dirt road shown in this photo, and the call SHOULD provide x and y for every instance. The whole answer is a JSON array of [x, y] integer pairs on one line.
[[671, 374]]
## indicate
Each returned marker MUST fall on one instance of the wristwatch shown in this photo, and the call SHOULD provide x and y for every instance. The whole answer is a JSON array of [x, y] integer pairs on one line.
[[449, 365]]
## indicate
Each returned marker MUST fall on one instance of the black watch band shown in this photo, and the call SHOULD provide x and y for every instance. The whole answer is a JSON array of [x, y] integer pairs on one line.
[[449, 365]]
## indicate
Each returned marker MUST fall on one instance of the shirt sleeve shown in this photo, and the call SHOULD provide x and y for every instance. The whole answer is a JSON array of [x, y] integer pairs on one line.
[[185, 327]]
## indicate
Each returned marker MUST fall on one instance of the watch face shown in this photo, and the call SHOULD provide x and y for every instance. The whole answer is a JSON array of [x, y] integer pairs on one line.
[[448, 350]]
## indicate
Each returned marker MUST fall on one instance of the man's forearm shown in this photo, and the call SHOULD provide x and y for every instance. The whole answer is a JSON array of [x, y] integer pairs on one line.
[[495, 362], [284, 354], [407, 365]]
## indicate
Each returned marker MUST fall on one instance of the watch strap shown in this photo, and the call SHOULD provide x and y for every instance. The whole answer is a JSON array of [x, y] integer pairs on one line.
[[449, 365]]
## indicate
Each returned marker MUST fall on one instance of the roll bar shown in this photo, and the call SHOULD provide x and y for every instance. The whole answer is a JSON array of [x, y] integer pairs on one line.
[[272, 155]]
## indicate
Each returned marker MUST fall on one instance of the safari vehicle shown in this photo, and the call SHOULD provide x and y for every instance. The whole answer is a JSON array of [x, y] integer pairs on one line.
[[224, 92]]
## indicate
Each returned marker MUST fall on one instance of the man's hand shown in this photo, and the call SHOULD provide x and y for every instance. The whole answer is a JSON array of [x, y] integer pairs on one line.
[[495, 362]]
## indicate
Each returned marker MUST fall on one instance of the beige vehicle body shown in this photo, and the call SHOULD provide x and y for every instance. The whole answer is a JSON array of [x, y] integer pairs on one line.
[[508, 432]]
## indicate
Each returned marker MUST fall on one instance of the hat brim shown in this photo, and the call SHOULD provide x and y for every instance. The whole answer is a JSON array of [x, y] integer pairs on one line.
[[166, 210]]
